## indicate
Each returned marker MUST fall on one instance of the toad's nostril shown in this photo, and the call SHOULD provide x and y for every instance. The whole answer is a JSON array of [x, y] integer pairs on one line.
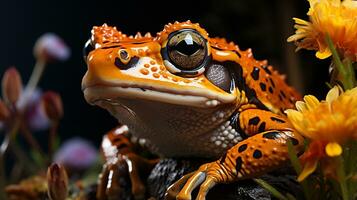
[[123, 54], [124, 66]]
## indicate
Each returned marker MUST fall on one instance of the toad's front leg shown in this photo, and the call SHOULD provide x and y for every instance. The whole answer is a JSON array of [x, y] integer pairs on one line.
[[121, 162], [264, 151]]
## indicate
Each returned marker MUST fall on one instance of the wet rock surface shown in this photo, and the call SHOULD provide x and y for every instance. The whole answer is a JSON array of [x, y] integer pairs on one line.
[[167, 171]]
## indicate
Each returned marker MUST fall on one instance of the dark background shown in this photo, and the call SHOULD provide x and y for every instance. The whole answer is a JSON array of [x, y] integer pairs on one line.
[[261, 25]]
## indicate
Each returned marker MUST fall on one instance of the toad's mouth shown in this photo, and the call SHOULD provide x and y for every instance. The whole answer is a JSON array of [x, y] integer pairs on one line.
[[111, 94]]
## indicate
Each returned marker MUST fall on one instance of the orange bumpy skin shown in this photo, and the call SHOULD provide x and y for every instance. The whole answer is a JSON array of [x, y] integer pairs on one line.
[[186, 94]]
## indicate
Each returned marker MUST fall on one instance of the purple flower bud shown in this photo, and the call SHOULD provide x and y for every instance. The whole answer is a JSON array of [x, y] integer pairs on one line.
[[77, 154], [50, 47], [52, 104]]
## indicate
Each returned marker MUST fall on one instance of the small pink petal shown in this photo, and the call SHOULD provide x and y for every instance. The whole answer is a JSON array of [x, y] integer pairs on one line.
[[51, 47], [76, 153]]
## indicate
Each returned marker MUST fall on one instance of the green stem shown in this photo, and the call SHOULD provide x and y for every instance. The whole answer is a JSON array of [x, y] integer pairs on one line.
[[342, 178], [52, 138], [30, 139], [2, 178], [343, 70], [293, 157], [3, 148], [36, 75], [297, 166], [350, 73], [270, 188]]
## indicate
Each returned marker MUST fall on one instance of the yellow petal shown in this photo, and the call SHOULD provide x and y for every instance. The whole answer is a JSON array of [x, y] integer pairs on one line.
[[309, 167], [294, 115], [311, 102], [300, 105], [352, 92], [332, 95], [300, 21], [333, 149], [323, 54]]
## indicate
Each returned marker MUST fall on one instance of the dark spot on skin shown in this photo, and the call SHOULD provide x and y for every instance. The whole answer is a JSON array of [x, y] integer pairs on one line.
[[272, 135], [214, 47], [271, 90], [294, 141], [255, 73], [221, 161], [263, 86], [261, 127], [277, 120], [257, 154], [291, 100], [123, 66], [239, 163], [272, 82], [254, 121], [280, 98], [242, 148], [300, 153], [266, 69], [110, 47], [282, 94], [239, 80], [238, 54]]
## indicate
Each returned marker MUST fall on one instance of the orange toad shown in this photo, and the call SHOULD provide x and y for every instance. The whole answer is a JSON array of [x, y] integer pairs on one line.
[[188, 95]]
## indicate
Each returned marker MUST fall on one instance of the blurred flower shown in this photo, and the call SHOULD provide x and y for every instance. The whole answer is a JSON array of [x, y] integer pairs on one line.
[[11, 85], [52, 104], [4, 111], [35, 116], [328, 124], [51, 47], [57, 181], [332, 17], [76, 154]]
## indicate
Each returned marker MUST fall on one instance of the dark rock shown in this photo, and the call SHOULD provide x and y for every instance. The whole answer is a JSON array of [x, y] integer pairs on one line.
[[167, 171]]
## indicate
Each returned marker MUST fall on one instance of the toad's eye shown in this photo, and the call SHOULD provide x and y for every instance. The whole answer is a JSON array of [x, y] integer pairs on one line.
[[185, 52]]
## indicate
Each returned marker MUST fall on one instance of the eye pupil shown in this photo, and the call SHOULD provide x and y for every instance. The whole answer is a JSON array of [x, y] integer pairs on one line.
[[187, 47]]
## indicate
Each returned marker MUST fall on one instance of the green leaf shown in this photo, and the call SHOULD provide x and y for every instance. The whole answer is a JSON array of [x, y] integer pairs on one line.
[[271, 189], [297, 166], [344, 69], [293, 157]]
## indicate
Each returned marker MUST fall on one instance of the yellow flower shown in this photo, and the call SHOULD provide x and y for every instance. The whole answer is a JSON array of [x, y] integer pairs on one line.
[[328, 124], [333, 17]]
